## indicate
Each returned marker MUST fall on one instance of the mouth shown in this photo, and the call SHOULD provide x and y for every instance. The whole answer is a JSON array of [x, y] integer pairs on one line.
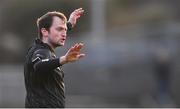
[[63, 39]]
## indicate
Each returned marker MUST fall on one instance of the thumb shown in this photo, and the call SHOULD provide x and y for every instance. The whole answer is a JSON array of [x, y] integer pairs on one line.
[[80, 56]]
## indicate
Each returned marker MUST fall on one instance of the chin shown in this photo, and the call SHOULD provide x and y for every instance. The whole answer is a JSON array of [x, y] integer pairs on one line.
[[58, 45], [62, 44]]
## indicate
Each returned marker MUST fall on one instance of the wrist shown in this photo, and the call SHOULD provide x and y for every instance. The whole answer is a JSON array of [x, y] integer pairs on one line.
[[63, 60], [69, 25]]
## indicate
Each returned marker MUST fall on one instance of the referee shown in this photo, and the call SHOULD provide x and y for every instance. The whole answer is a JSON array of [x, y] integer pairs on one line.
[[42, 69]]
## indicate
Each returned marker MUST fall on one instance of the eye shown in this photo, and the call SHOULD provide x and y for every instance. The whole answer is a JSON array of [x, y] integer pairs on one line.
[[59, 28]]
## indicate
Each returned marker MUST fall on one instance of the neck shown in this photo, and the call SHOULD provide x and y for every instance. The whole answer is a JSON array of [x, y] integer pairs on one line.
[[47, 42]]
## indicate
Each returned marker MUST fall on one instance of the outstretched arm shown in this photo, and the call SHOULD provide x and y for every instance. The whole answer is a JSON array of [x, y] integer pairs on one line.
[[42, 62]]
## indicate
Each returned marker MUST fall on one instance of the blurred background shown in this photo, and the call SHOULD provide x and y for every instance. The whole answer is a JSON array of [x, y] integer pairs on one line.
[[132, 51]]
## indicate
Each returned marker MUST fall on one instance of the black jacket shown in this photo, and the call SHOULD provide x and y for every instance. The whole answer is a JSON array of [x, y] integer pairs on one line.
[[43, 77]]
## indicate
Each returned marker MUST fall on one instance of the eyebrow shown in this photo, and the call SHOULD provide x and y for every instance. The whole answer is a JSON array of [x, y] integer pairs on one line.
[[62, 27]]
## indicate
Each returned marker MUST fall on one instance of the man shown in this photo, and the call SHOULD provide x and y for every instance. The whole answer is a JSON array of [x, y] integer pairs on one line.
[[43, 70]]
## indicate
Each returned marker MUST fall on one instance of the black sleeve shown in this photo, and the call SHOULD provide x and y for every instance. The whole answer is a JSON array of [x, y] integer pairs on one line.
[[69, 26], [42, 62]]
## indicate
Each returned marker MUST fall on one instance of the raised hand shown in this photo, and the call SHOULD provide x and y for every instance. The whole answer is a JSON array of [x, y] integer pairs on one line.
[[73, 54], [75, 15]]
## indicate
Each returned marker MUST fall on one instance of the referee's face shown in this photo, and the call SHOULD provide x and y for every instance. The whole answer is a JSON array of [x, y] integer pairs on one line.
[[57, 32]]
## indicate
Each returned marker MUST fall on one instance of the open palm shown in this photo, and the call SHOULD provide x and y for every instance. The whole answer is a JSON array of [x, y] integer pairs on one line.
[[74, 54], [75, 15]]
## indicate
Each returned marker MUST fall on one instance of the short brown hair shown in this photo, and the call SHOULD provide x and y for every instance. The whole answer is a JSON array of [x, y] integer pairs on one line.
[[46, 20]]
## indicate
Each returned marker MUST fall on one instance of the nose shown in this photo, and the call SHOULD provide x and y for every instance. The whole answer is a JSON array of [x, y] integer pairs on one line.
[[64, 35]]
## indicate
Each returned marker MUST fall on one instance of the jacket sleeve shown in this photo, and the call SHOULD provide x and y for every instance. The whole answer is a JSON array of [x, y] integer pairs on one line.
[[42, 62], [69, 26]]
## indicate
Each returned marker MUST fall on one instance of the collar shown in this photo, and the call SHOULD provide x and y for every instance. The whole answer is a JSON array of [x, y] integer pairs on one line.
[[39, 41]]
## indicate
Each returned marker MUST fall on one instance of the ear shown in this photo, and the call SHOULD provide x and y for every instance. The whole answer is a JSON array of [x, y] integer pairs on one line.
[[44, 32]]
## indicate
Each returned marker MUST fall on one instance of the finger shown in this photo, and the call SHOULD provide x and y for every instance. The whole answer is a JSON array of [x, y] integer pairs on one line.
[[75, 53], [80, 56], [71, 49], [79, 9], [76, 46], [77, 17], [80, 46], [80, 12]]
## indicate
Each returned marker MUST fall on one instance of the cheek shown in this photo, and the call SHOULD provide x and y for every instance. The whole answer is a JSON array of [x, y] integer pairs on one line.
[[54, 35], [57, 37]]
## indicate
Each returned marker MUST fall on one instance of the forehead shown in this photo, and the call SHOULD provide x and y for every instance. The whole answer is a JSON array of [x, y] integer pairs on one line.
[[58, 22]]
